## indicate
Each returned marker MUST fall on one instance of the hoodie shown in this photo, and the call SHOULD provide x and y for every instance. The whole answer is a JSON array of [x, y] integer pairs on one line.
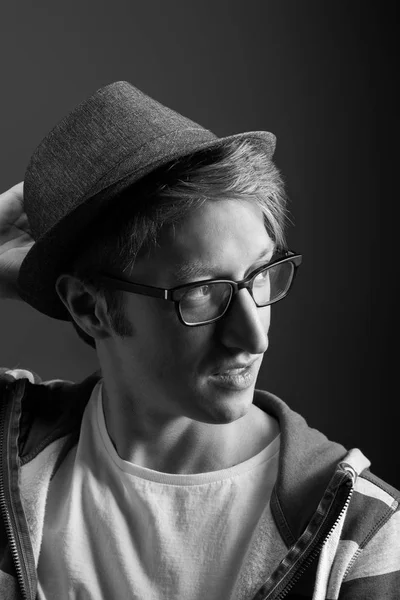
[[334, 526]]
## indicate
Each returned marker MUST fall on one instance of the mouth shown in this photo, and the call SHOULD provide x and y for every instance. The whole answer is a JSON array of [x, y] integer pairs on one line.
[[235, 368], [239, 378]]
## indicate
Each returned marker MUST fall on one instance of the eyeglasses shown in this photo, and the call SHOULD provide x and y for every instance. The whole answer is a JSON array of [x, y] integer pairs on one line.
[[205, 302]]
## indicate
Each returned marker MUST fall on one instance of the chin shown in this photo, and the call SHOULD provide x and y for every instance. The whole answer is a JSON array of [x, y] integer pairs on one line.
[[227, 406]]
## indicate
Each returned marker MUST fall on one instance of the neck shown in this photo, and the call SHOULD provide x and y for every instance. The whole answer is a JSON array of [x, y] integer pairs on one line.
[[181, 445]]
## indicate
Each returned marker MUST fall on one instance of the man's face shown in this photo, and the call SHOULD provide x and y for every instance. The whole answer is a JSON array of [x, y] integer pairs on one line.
[[179, 371]]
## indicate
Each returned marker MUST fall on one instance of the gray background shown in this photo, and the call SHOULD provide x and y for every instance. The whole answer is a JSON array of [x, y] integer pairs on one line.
[[321, 76]]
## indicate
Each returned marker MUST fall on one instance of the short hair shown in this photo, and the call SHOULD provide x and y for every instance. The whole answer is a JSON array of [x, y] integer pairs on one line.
[[232, 170]]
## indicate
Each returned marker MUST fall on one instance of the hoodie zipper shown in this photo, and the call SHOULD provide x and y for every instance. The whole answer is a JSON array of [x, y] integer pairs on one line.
[[314, 547], [9, 518]]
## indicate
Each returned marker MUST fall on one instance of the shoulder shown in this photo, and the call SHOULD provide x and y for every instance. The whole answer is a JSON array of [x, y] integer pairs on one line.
[[374, 502], [375, 506], [48, 409]]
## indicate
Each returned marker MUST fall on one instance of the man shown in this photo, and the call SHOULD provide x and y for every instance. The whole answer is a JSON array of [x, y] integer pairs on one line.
[[166, 475]]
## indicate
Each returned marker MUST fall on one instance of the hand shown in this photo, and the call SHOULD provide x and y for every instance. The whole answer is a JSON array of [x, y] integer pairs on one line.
[[15, 239]]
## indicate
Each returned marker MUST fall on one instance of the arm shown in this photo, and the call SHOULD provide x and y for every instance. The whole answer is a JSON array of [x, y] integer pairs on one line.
[[15, 240]]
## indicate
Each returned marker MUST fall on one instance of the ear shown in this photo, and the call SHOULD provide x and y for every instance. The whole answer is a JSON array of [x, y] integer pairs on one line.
[[87, 307]]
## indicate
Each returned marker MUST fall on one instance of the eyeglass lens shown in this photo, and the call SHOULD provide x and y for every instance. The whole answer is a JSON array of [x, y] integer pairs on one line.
[[272, 284], [206, 302]]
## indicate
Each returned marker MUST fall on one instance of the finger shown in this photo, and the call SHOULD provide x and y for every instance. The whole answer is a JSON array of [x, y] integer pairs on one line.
[[12, 203], [17, 191], [22, 223]]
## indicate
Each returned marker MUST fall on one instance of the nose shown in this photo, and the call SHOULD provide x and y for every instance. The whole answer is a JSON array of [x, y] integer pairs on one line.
[[245, 326]]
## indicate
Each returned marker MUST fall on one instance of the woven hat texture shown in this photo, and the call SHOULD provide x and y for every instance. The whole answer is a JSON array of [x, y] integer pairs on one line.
[[108, 142]]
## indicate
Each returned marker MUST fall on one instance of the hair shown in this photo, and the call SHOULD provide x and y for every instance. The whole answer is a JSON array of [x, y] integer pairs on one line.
[[232, 170]]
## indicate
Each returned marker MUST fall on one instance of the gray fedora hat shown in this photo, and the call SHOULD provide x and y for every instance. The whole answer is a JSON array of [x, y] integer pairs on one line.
[[107, 143]]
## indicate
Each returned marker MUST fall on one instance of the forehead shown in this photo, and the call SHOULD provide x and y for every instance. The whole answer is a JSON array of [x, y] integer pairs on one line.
[[220, 238]]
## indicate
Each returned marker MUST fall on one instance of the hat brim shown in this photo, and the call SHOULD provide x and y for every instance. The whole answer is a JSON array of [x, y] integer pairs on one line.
[[52, 253]]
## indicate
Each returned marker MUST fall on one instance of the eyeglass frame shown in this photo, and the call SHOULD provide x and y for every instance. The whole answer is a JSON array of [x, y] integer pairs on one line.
[[236, 286]]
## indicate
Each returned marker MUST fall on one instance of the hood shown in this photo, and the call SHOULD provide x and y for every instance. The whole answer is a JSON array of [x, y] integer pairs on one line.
[[307, 462]]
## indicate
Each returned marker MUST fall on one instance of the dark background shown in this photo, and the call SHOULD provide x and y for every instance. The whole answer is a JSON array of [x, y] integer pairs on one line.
[[322, 77]]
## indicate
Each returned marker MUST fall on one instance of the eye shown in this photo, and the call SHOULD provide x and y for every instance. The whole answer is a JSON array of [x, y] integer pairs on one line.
[[201, 292]]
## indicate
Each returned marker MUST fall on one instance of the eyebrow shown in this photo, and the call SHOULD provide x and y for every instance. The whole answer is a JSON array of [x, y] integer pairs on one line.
[[193, 269]]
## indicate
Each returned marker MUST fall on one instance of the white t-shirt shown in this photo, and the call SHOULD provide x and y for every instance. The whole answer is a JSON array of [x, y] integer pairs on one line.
[[114, 530]]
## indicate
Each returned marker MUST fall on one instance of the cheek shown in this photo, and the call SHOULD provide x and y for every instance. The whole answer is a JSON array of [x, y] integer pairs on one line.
[[163, 342], [184, 349]]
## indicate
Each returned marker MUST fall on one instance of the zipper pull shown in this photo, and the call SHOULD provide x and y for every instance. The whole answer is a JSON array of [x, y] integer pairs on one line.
[[349, 469]]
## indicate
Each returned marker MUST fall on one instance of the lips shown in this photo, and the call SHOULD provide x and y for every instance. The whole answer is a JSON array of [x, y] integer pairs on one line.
[[235, 375], [235, 379], [235, 371], [234, 368]]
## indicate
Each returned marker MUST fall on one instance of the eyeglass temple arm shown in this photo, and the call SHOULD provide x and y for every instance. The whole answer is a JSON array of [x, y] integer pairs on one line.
[[138, 288]]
